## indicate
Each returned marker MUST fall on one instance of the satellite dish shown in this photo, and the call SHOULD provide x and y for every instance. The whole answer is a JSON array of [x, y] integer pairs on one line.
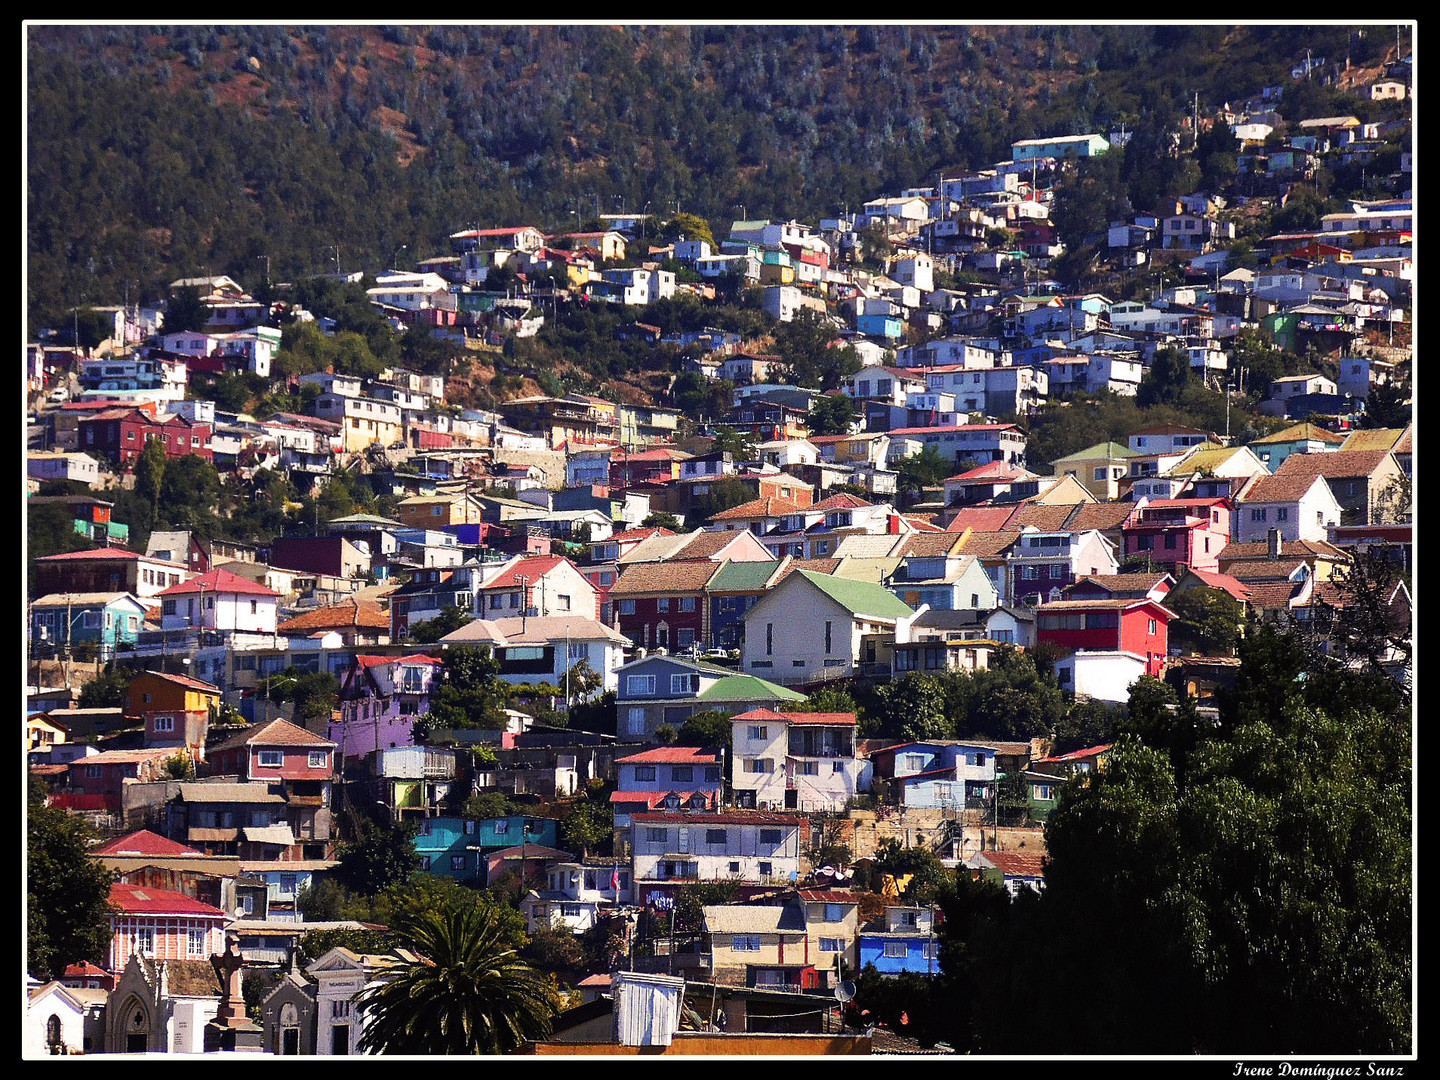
[[845, 991]]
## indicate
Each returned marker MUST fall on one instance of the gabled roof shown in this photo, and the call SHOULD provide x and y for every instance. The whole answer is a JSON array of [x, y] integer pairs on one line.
[[992, 471], [742, 576], [765, 506], [363, 614], [143, 842], [711, 542], [859, 597], [1288, 488], [984, 519], [982, 544], [143, 900], [1232, 585], [1098, 451], [218, 581], [664, 578], [733, 687], [1374, 439], [1338, 464], [1016, 863], [119, 554], [842, 501], [276, 733], [1301, 432], [182, 680], [531, 569]]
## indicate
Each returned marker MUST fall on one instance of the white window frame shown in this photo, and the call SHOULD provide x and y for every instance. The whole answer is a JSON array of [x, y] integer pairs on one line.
[[270, 759]]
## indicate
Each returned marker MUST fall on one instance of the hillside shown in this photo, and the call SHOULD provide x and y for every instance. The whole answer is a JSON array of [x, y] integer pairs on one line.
[[161, 151]]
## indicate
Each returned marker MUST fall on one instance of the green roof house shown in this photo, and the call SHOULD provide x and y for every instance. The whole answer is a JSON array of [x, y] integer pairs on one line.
[[811, 627]]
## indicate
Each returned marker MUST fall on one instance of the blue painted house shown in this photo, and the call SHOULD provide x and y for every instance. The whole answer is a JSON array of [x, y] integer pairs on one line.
[[731, 592], [905, 941], [456, 847], [98, 623], [886, 326], [941, 774]]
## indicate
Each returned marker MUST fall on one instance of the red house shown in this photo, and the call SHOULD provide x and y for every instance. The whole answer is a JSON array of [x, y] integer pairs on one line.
[[121, 434], [1140, 627], [301, 763], [1172, 532]]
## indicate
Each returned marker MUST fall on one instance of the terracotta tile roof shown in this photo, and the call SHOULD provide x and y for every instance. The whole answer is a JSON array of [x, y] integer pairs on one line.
[[1271, 595], [1117, 603], [1290, 488], [143, 842], [119, 554], [991, 470], [364, 614], [843, 501], [1338, 464], [367, 660], [989, 543], [929, 544], [218, 581], [185, 681], [636, 534], [1042, 517], [765, 506], [275, 733], [1100, 515], [1232, 585], [143, 900], [708, 544], [819, 566], [677, 755], [1298, 549], [1122, 582], [1075, 755], [664, 578], [530, 569], [1249, 571]]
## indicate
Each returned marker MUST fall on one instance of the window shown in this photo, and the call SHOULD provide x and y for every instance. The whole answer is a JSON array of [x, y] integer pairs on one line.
[[318, 759], [1029, 573], [734, 866], [1258, 514], [758, 733], [686, 603], [635, 722], [897, 949], [769, 638], [1282, 513], [834, 912], [807, 768], [657, 835], [164, 723], [424, 862], [1042, 792], [770, 836], [766, 869], [830, 944], [827, 636], [662, 603], [640, 684], [195, 940], [745, 943], [339, 1008], [715, 836], [1150, 627], [759, 765], [271, 759], [644, 772], [145, 941], [712, 772], [681, 684], [457, 862], [682, 774]]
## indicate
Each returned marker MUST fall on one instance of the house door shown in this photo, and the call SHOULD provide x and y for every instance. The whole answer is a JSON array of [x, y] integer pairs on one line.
[[791, 798]]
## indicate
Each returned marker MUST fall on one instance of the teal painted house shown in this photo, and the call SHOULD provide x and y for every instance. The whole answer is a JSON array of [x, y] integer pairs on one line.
[[456, 847]]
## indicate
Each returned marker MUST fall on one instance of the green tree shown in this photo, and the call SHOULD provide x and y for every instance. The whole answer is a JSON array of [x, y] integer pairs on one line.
[[107, 690], [927, 875], [186, 311], [489, 804], [429, 631], [1388, 406], [317, 943], [810, 354], [1166, 379], [1208, 621], [928, 468], [322, 901], [466, 992], [150, 476], [377, 856], [472, 693], [67, 892], [709, 728], [688, 227], [832, 414], [587, 828], [659, 519]]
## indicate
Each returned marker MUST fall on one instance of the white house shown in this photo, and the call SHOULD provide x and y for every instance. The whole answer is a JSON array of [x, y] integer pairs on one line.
[[341, 975], [1099, 675], [734, 845], [576, 894], [1301, 507], [219, 600], [798, 761]]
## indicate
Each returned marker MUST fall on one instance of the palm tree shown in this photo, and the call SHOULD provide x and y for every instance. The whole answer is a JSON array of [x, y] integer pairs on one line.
[[464, 992]]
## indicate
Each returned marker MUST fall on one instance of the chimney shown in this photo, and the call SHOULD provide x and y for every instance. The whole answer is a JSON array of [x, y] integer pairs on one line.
[[892, 525], [1274, 537]]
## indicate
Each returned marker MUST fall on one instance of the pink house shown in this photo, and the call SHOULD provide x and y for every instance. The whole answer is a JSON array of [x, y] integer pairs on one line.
[[1172, 532], [105, 773], [162, 925]]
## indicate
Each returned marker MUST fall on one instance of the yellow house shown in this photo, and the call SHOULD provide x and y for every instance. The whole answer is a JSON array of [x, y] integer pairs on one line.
[[433, 511], [42, 732], [154, 691]]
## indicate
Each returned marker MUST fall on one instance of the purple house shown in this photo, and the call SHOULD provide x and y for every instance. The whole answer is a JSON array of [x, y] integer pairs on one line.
[[380, 697]]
